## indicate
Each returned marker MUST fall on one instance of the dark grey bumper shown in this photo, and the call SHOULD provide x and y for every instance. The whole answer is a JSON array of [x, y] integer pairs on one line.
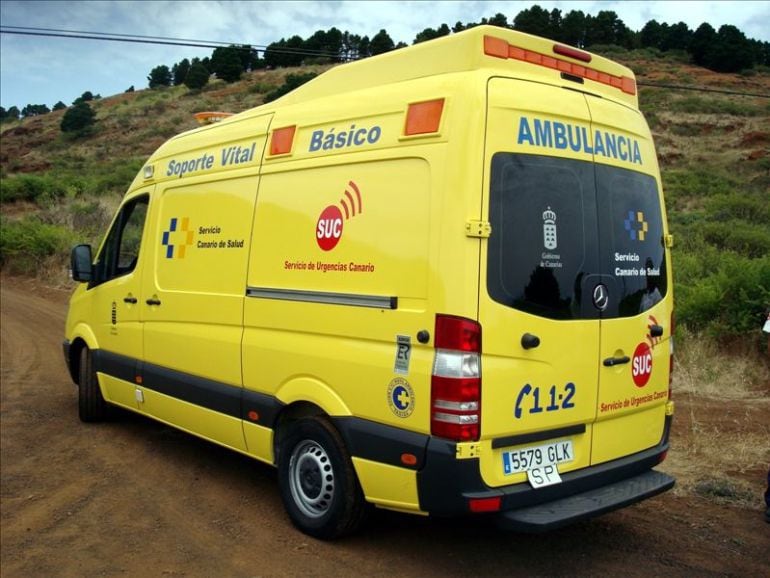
[[583, 506]]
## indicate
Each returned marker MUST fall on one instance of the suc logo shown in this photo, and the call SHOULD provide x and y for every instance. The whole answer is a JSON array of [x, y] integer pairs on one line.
[[328, 230], [641, 365]]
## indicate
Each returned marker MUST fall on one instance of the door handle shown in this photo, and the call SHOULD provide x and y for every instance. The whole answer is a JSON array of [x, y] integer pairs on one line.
[[529, 341], [153, 301], [130, 299], [656, 331], [611, 361]]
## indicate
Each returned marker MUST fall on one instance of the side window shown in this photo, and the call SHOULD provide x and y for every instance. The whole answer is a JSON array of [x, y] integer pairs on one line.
[[120, 251]]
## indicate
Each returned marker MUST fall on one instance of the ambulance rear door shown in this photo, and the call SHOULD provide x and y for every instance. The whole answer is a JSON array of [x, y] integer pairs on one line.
[[540, 329], [634, 275]]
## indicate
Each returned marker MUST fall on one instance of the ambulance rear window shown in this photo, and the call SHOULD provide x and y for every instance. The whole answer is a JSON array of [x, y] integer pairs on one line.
[[633, 255], [544, 237], [562, 226]]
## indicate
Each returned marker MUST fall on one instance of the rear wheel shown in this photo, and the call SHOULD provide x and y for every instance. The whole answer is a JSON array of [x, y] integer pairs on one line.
[[91, 404], [318, 484]]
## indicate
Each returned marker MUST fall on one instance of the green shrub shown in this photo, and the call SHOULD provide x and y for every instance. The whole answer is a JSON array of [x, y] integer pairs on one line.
[[78, 119], [71, 178], [703, 182], [734, 106], [742, 238], [261, 87], [686, 129], [746, 206], [30, 188], [27, 243], [292, 81], [725, 296]]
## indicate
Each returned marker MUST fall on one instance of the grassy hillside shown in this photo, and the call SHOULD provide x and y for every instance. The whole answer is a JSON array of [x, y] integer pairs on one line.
[[714, 151]]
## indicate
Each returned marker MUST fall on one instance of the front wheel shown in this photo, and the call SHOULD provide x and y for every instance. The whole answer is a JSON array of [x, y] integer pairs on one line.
[[319, 487], [91, 404]]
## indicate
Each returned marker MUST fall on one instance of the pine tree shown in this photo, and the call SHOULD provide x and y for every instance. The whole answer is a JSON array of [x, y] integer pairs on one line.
[[381, 43], [179, 71], [197, 77], [226, 63], [159, 76]]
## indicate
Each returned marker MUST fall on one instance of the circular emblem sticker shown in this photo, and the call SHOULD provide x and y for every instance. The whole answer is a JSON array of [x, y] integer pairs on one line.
[[401, 397], [329, 228], [641, 365]]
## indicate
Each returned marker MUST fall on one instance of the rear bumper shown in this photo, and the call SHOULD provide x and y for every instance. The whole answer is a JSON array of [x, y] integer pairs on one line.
[[589, 504], [446, 485]]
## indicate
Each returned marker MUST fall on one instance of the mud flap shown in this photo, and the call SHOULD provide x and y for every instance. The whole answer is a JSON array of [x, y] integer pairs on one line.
[[569, 510]]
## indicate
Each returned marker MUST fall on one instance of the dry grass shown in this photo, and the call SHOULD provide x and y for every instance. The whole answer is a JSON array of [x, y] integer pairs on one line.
[[721, 438], [703, 368]]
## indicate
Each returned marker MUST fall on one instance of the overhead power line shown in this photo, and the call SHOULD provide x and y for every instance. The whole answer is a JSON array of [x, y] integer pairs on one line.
[[100, 34], [160, 40], [700, 89]]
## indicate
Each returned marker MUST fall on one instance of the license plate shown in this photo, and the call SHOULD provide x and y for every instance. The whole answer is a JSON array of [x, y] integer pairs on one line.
[[537, 459]]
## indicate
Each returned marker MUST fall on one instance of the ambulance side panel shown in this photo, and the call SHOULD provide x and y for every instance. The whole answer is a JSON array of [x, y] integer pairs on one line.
[[194, 289], [326, 319]]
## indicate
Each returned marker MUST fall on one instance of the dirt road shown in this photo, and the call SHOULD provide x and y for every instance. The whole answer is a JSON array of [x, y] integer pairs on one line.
[[135, 498]]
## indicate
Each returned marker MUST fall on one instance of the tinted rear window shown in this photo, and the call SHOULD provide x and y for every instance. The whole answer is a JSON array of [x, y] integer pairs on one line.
[[561, 226], [632, 248]]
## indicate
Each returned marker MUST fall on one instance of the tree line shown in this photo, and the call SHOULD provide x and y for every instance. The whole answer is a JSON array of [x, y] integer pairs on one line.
[[724, 50], [229, 63]]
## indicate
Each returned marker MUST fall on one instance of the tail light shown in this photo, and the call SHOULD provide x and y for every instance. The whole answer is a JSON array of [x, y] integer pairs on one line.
[[456, 380]]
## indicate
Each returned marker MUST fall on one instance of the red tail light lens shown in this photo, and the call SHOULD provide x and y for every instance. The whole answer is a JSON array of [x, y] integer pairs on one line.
[[457, 333], [456, 380]]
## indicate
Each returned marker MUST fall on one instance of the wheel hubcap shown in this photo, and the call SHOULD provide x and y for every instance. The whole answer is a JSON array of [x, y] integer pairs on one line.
[[311, 479]]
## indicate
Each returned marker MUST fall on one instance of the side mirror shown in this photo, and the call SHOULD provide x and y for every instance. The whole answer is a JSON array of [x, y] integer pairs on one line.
[[82, 268]]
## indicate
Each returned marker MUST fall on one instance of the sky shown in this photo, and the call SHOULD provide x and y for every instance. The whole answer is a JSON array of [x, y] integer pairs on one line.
[[43, 70]]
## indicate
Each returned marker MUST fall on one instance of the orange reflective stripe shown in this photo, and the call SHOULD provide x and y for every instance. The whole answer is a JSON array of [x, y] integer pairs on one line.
[[499, 48]]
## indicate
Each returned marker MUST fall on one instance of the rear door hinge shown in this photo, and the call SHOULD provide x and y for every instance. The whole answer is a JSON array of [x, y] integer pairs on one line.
[[479, 229], [669, 241], [467, 450]]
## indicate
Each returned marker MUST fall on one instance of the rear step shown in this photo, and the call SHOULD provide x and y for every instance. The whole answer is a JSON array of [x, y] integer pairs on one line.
[[551, 515]]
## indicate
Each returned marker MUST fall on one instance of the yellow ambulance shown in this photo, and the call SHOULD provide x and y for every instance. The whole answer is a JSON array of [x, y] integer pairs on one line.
[[436, 281]]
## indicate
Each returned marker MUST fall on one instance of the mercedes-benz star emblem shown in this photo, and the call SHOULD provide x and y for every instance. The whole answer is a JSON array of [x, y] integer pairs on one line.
[[601, 297]]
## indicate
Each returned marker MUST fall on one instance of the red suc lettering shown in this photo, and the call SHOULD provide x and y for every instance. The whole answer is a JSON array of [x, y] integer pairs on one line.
[[329, 228]]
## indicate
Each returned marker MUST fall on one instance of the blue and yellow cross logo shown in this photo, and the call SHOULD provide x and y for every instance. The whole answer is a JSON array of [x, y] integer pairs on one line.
[[636, 226], [179, 239], [401, 397]]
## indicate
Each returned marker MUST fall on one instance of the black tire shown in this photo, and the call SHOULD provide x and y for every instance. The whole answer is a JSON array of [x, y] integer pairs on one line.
[[318, 484], [91, 404]]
